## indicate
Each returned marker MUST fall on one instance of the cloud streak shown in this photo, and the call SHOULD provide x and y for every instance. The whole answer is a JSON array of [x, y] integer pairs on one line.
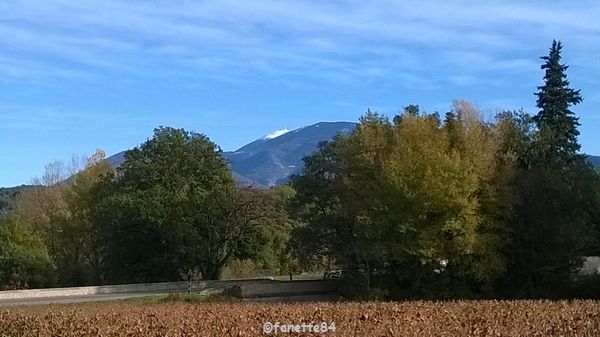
[[241, 41]]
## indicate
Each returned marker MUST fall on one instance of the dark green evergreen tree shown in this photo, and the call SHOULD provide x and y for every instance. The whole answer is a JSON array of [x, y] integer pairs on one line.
[[554, 193], [556, 122]]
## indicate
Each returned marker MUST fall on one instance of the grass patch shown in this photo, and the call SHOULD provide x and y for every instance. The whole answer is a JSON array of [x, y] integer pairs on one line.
[[180, 297], [228, 294]]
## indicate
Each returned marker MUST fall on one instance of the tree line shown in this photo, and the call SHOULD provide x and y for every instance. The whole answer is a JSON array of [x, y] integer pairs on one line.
[[172, 211], [419, 206]]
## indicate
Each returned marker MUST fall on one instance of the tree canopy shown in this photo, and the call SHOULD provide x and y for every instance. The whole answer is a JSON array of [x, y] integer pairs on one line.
[[173, 207], [398, 200]]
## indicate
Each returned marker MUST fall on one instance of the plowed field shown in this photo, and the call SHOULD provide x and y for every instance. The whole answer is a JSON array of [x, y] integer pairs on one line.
[[404, 319]]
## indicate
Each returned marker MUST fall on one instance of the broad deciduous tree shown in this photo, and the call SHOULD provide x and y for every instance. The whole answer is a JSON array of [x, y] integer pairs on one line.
[[173, 207], [400, 203]]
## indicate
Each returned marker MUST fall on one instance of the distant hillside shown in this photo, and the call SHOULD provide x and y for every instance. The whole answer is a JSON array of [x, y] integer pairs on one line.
[[595, 161], [8, 196], [117, 159]]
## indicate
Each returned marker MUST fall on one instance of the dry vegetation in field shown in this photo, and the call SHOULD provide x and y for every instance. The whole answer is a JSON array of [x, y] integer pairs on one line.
[[461, 318]]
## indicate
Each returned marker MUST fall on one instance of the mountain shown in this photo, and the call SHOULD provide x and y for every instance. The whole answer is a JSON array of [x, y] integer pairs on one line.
[[271, 160], [595, 161], [117, 159]]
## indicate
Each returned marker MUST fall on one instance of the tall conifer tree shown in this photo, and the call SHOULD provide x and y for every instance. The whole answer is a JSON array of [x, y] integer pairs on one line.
[[556, 122], [554, 194]]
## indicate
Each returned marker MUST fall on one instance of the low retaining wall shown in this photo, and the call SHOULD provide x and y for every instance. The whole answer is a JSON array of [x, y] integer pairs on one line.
[[90, 290], [120, 289], [249, 287]]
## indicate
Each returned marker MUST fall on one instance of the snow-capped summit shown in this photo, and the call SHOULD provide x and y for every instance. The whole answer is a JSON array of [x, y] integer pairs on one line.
[[270, 162], [277, 133]]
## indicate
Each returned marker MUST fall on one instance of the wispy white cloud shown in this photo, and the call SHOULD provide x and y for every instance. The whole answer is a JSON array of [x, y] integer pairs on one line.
[[240, 41], [72, 71]]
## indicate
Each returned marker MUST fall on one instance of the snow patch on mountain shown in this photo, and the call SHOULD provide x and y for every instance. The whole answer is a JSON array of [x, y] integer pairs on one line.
[[277, 133]]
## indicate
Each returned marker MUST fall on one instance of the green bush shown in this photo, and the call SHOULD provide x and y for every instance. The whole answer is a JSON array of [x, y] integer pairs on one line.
[[24, 259]]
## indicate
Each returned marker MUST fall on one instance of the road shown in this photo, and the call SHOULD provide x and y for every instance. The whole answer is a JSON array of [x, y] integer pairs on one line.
[[73, 299]]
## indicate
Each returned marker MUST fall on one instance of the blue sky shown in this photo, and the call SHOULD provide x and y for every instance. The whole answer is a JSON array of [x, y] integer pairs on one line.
[[81, 75]]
